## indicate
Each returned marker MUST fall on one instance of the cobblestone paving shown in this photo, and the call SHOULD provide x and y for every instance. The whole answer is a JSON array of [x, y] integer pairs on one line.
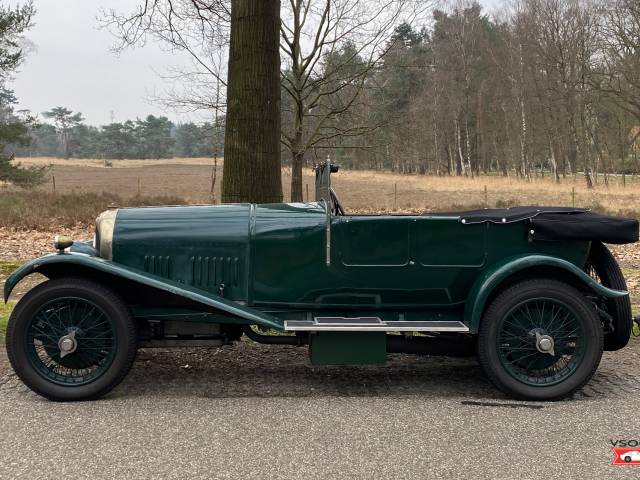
[[247, 369]]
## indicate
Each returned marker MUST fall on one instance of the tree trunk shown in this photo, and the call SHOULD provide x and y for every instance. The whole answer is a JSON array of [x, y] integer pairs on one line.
[[297, 159], [482, 157], [65, 144], [460, 160], [523, 140], [468, 146], [251, 169], [554, 162], [297, 154]]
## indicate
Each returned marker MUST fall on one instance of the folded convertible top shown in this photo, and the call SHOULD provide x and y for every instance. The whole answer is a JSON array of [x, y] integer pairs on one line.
[[560, 223], [515, 214]]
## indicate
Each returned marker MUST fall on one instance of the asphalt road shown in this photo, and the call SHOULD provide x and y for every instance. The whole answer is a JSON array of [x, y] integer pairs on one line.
[[253, 411]]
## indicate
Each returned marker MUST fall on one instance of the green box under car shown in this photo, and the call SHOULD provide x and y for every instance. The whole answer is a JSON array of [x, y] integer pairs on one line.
[[348, 348], [532, 291]]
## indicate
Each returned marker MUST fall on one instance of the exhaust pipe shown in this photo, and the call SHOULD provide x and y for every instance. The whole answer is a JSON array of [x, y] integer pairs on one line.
[[275, 339]]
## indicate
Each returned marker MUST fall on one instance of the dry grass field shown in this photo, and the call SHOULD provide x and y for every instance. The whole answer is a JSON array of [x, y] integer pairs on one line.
[[361, 191], [94, 162]]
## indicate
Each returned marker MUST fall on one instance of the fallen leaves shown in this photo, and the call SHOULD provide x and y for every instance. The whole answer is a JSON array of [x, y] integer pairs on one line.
[[627, 255], [18, 244]]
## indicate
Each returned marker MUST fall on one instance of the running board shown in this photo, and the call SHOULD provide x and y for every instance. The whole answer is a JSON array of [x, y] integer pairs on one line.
[[372, 324]]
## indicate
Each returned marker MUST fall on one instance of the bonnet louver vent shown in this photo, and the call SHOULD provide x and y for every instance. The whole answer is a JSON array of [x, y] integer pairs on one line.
[[158, 265], [208, 271]]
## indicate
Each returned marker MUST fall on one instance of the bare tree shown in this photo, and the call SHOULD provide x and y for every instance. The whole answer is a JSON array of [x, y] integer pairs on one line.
[[546, 85], [202, 29], [331, 47], [198, 28], [618, 67], [558, 38]]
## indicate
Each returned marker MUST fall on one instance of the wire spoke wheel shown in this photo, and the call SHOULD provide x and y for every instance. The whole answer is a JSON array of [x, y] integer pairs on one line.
[[70, 341], [541, 341]]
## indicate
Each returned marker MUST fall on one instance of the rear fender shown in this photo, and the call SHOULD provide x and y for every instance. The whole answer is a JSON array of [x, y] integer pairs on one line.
[[97, 264], [485, 286]]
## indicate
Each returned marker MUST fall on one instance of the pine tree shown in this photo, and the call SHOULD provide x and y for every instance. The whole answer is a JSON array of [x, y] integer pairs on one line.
[[66, 122]]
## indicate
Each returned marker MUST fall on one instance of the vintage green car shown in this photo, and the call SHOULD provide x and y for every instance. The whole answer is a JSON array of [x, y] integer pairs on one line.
[[532, 291]]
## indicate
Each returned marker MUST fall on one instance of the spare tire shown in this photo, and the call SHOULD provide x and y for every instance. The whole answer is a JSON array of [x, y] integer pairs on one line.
[[606, 269]]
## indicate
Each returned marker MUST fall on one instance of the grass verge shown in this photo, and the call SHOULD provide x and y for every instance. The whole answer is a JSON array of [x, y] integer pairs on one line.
[[7, 267], [5, 311]]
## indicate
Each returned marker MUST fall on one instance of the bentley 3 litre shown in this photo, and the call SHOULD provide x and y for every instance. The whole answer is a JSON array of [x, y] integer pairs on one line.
[[532, 291]]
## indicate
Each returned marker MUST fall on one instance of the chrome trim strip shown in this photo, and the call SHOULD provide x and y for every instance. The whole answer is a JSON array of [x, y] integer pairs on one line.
[[328, 231], [375, 326]]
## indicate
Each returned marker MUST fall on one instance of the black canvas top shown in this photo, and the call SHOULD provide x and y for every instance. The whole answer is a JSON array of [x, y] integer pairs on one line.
[[560, 223], [515, 214], [584, 226]]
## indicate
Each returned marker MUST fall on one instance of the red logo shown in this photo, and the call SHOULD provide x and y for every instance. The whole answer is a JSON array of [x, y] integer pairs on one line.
[[626, 456]]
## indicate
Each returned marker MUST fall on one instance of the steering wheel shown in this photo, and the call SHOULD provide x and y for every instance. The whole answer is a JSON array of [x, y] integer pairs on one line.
[[337, 206]]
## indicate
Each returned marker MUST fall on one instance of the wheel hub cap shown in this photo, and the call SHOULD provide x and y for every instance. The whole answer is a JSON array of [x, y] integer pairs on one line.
[[544, 344], [67, 344]]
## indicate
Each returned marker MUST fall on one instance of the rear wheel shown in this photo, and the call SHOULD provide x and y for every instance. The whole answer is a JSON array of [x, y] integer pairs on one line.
[[540, 340], [71, 339]]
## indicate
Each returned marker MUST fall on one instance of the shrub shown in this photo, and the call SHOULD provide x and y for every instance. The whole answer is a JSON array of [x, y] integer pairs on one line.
[[42, 210]]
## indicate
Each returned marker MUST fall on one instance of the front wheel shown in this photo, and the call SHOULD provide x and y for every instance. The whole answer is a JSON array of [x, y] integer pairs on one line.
[[71, 339], [540, 340]]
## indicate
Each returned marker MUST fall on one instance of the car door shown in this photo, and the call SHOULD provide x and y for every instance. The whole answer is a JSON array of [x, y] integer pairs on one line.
[[370, 261], [448, 254], [404, 261], [371, 241]]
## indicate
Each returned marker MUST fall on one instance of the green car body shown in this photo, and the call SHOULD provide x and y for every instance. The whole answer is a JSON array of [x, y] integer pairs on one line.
[[263, 264]]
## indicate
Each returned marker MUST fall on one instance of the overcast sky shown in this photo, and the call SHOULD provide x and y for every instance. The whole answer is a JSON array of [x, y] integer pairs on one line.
[[72, 65]]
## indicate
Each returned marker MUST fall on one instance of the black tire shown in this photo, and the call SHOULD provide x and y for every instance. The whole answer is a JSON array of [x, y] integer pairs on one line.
[[627, 459], [124, 331], [531, 290], [608, 272]]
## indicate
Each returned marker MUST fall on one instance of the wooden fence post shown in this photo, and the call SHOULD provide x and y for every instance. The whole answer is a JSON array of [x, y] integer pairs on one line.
[[138, 186], [53, 180], [573, 197], [307, 187], [395, 196]]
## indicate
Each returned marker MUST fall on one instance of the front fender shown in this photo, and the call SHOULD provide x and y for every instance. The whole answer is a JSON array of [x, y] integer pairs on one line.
[[252, 316], [484, 286]]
